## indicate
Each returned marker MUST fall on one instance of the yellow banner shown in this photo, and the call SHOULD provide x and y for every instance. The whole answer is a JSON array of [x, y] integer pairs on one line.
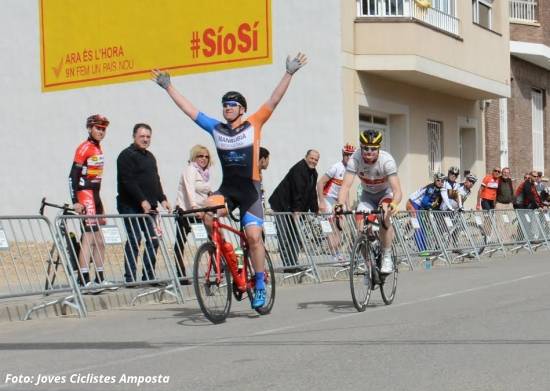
[[89, 43]]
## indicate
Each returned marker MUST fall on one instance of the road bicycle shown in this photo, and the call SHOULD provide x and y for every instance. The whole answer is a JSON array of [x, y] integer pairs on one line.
[[365, 259], [220, 274], [70, 242]]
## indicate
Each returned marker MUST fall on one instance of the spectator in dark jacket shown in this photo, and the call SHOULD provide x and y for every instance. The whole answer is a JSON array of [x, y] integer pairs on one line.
[[296, 193], [526, 196], [505, 190], [139, 191]]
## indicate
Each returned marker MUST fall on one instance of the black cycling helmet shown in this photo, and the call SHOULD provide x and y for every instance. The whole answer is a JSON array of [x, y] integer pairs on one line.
[[234, 96], [370, 138], [453, 170]]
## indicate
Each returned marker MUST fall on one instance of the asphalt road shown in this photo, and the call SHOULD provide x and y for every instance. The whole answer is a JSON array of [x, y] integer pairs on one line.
[[476, 326]]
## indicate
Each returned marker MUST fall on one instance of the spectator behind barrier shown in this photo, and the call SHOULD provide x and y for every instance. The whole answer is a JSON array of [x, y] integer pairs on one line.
[[296, 193], [139, 191], [194, 187]]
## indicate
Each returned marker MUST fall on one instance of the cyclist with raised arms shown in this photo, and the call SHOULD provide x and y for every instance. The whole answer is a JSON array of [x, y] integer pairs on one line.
[[238, 145], [377, 171]]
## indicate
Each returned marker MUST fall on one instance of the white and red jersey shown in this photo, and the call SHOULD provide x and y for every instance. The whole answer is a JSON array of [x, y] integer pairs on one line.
[[336, 177], [374, 177]]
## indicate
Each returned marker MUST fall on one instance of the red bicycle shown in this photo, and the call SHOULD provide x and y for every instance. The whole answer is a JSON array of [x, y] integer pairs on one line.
[[219, 273]]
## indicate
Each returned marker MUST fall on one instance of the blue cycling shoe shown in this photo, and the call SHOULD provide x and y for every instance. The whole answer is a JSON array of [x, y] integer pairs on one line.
[[259, 298]]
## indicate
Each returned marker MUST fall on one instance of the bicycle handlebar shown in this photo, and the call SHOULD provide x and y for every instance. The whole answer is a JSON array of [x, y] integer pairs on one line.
[[181, 212], [379, 212], [64, 207]]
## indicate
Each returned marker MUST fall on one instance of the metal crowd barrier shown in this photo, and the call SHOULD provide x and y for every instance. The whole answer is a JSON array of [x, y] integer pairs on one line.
[[36, 259], [33, 261], [419, 233], [131, 249]]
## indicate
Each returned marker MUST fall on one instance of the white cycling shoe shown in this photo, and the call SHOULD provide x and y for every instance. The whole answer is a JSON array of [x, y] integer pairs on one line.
[[386, 266]]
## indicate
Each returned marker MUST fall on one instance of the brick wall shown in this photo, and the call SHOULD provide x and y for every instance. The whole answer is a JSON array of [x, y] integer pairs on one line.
[[525, 77], [492, 136], [530, 33]]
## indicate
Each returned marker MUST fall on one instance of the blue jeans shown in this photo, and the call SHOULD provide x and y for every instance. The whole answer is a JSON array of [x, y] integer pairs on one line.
[[134, 228]]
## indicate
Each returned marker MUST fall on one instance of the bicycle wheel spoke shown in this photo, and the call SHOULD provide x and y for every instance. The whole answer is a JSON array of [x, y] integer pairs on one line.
[[360, 274], [213, 292], [269, 287], [389, 285]]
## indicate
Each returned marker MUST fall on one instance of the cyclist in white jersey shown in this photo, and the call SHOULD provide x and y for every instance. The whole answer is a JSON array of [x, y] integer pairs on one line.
[[377, 171], [330, 183], [458, 196], [450, 187]]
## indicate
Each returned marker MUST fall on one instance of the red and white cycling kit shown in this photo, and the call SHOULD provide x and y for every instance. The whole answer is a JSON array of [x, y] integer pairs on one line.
[[333, 185], [374, 178], [85, 179]]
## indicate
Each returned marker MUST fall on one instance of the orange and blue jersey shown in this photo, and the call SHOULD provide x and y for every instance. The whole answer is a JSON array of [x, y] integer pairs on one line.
[[239, 153], [238, 148]]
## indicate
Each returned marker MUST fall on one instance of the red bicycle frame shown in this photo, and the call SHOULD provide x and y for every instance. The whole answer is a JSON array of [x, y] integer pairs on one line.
[[239, 276]]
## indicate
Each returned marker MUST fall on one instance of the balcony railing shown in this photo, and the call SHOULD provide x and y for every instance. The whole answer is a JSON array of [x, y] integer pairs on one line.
[[523, 10], [409, 9]]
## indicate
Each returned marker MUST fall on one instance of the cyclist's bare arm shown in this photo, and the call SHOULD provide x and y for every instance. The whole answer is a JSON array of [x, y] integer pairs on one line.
[[163, 79], [395, 186], [344, 190], [292, 66]]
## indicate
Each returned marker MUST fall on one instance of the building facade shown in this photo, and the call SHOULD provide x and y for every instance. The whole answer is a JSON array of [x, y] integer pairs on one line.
[[418, 71], [517, 128]]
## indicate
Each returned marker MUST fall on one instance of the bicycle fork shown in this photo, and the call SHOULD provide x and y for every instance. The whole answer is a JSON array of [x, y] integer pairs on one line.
[[239, 276]]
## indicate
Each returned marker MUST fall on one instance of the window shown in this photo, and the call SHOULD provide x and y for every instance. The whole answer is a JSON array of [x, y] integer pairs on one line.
[[482, 12], [537, 129], [445, 6], [378, 122], [383, 7], [435, 146]]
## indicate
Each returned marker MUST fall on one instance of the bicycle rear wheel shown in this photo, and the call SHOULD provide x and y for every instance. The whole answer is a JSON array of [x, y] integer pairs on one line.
[[389, 284], [269, 287], [360, 273], [214, 298]]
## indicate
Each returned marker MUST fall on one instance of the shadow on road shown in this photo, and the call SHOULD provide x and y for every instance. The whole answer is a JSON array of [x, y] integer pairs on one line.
[[336, 306]]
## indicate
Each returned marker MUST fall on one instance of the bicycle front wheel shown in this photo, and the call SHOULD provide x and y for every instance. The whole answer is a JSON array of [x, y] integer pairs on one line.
[[214, 297], [389, 284], [269, 287], [360, 274]]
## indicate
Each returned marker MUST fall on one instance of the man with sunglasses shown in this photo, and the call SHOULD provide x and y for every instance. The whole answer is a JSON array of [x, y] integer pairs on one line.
[[487, 194], [238, 145], [377, 171]]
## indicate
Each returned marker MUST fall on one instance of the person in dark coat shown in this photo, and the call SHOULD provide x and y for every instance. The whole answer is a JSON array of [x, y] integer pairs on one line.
[[296, 193], [139, 191]]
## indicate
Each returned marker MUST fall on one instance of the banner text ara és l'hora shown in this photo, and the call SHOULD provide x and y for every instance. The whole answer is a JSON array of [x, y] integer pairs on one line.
[[89, 43]]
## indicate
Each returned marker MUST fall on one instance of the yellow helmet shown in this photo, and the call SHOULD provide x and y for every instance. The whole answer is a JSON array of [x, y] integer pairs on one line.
[[370, 138]]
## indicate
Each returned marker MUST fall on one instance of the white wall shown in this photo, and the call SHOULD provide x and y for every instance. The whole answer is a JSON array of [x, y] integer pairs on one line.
[[40, 131]]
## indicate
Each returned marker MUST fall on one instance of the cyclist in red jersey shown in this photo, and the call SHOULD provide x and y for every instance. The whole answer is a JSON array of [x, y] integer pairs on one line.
[[84, 185]]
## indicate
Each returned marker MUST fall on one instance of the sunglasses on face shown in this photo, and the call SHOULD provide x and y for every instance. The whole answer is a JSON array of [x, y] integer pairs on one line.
[[230, 104], [203, 157], [370, 149], [497, 171]]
